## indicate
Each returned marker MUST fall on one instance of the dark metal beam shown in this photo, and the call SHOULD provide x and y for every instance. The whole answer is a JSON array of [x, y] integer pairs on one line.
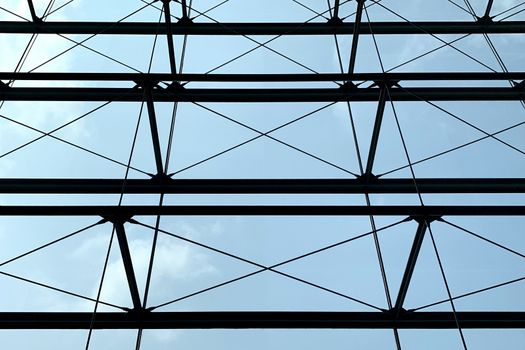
[[169, 35], [375, 133], [154, 130], [156, 77], [183, 28], [409, 269], [263, 95], [355, 38], [34, 16], [488, 8], [255, 319], [184, 9], [335, 16], [261, 186], [263, 210], [128, 265]]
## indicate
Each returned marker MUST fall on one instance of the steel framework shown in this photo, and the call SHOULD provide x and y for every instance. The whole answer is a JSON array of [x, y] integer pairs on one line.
[[384, 88]]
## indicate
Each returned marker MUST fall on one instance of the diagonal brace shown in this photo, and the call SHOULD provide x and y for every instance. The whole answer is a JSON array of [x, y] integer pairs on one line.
[[169, 35], [33, 12], [423, 223], [377, 129], [154, 130], [128, 264], [355, 38]]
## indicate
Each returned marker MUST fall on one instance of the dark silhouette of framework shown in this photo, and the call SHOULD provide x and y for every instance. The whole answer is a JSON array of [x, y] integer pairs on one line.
[[153, 87]]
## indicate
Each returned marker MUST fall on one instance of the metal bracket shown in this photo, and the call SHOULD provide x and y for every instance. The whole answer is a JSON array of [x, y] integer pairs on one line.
[[348, 85], [4, 86], [146, 83], [116, 219], [335, 21], [184, 20], [485, 20], [175, 86], [520, 85], [161, 177], [366, 178], [425, 218], [385, 83]]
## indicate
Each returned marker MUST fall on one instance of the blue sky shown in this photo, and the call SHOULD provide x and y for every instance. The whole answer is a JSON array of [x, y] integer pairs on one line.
[[181, 268]]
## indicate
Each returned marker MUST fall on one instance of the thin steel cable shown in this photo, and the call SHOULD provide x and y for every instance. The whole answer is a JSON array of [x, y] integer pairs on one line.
[[470, 293], [366, 6], [443, 275], [482, 238], [427, 53], [34, 250], [139, 118], [80, 43], [70, 144], [275, 139], [59, 8], [266, 268], [492, 48], [377, 244], [272, 266], [512, 15], [453, 149], [106, 261], [437, 37], [88, 38], [509, 9], [250, 140], [259, 44], [27, 49], [138, 342], [459, 6], [314, 11], [63, 291], [464, 121]]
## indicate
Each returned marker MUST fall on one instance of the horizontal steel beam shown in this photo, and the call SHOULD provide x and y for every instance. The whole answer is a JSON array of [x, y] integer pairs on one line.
[[183, 28], [297, 77], [261, 186], [263, 95], [259, 319], [263, 210]]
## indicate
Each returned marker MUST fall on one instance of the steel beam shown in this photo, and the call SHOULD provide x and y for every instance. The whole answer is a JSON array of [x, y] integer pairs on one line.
[[185, 28], [264, 210], [154, 130], [169, 35], [375, 133], [308, 77], [355, 38], [488, 8], [263, 95], [34, 16], [255, 319], [260, 186], [128, 265], [411, 264]]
